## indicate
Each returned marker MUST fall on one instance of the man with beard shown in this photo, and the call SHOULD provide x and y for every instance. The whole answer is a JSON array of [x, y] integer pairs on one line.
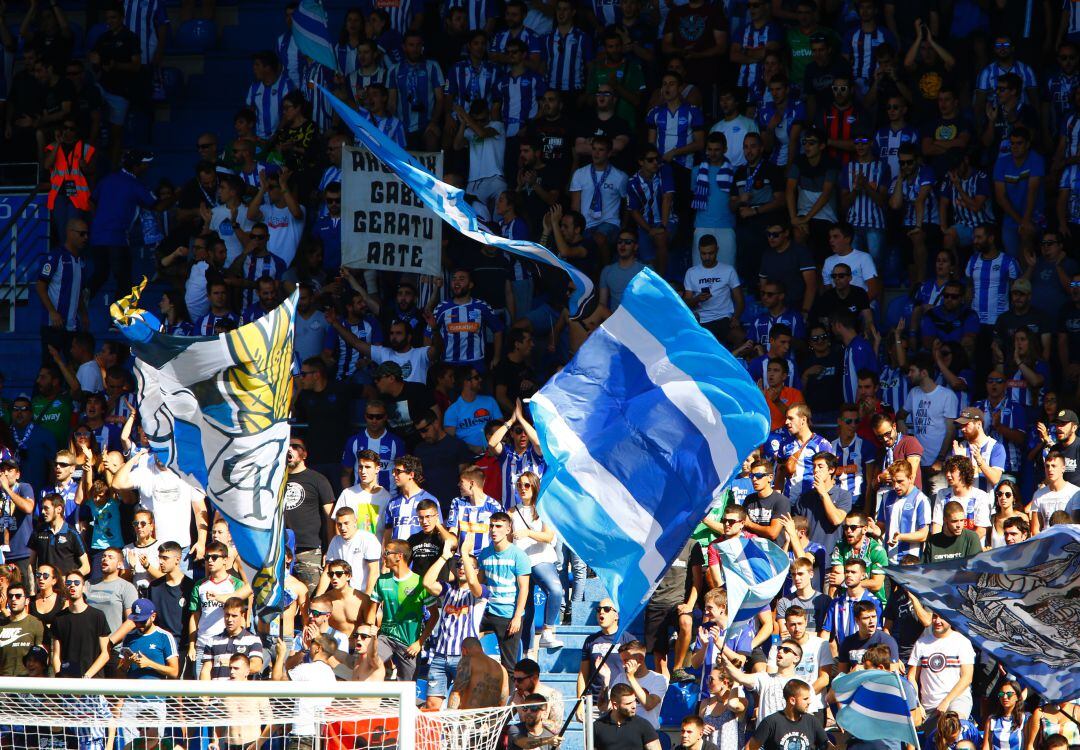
[[308, 500], [553, 130], [460, 323], [621, 727], [537, 183], [414, 361], [791, 727], [530, 731]]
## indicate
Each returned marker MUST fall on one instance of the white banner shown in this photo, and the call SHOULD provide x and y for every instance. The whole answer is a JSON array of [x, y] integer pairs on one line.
[[384, 226]]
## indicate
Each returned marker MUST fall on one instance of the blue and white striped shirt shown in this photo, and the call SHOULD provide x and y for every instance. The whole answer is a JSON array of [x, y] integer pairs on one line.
[[975, 184], [752, 38], [346, 56], [858, 355], [607, 12], [468, 518], [904, 516], [360, 81], [888, 142], [290, 58], [1058, 93], [1071, 134], [910, 190], [401, 12], [416, 85], [469, 83], [794, 111], [859, 46], [1073, 26], [512, 465], [646, 194], [988, 78], [675, 129], [205, 325], [567, 54], [266, 101], [461, 326], [460, 614], [802, 479], [391, 127], [518, 97], [990, 280], [348, 359], [63, 272], [400, 514], [479, 12], [759, 328], [254, 268], [1003, 735], [143, 17], [864, 212], [840, 619], [852, 460], [387, 445], [893, 387], [532, 40]]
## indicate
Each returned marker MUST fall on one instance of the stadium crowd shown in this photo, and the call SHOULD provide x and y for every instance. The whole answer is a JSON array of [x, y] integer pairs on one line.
[[874, 205]]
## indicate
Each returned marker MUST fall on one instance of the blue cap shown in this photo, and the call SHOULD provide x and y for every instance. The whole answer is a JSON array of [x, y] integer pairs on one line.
[[141, 610]]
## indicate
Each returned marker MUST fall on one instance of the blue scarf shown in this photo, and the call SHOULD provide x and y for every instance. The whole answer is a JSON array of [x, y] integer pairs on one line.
[[596, 205], [701, 187]]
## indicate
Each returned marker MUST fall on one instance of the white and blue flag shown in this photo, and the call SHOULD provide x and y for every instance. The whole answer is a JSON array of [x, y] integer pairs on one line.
[[449, 204], [876, 705], [311, 31], [1019, 604], [754, 572], [215, 410], [641, 431]]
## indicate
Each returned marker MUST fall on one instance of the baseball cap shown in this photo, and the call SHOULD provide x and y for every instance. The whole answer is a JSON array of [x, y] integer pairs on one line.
[[969, 415], [141, 610], [392, 369], [1067, 415], [1022, 285]]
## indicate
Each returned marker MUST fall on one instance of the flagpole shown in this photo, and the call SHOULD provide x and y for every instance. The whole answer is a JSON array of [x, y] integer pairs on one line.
[[903, 694], [592, 673]]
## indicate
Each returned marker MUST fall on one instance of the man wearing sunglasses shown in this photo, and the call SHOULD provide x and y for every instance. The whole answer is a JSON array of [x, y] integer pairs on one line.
[[531, 730], [765, 505], [207, 615], [55, 542], [80, 645], [600, 673], [769, 687], [20, 632]]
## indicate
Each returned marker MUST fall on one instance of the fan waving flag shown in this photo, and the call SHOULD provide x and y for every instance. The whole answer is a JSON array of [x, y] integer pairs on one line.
[[754, 573], [215, 410], [449, 204], [641, 430], [876, 705], [311, 31], [1020, 604]]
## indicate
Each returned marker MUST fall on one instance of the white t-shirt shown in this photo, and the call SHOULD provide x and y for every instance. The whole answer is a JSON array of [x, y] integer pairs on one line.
[[719, 280], [367, 506], [939, 661], [139, 576], [977, 504], [89, 377], [414, 363], [198, 304], [770, 692], [307, 709], [861, 265], [538, 552], [169, 498], [486, 155], [1046, 502], [927, 414], [612, 193], [815, 655], [652, 683], [735, 132], [222, 223], [362, 548], [285, 231], [309, 334]]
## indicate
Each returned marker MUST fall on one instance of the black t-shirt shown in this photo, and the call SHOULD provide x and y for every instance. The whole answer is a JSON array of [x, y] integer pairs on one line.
[[171, 603], [823, 392], [442, 461], [633, 734], [403, 410], [903, 624], [1068, 322], [489, 273], [788, 266], [777, 732], [425, 549], [78, 634], [818, 81], [55, 96], [327, 430], [556, 145], [1072, 460], [61, 550], [761, 183], [612, 127], [829, 303], [853, 648], [762, 510], [518, 377], [118, 46], [945, 129], [306, 494], [533, 206]]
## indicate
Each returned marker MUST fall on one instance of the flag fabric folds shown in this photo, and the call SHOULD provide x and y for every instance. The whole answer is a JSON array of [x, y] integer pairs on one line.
[[311, 30], [640, 431], [754, 572], [448, 202], [215, 410], [876, 705], [1020, 604]]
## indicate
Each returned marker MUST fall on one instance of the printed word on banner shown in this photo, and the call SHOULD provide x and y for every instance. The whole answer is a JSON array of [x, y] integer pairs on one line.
[[384, 226]]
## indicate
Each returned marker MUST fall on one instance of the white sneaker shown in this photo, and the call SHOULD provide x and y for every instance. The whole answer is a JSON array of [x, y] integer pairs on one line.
[[550, 641]]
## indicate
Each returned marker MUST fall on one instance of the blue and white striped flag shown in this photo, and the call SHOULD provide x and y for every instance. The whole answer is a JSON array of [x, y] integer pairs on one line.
[[448, 202], [640, 431], [1019, 604], [311, 30], [754, 572], [215, 410], [876, 705]]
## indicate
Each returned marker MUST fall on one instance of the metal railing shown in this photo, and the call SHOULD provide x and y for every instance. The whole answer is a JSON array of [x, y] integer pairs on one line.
[[17, 267]]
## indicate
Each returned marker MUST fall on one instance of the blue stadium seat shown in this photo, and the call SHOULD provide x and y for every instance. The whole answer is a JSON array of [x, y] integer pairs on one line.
[[93, 34], [197, 35], [174, 81]]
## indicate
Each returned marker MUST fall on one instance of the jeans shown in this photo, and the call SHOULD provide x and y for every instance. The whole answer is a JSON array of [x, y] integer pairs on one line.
[[546, 577], [569, 561], [872, 241]]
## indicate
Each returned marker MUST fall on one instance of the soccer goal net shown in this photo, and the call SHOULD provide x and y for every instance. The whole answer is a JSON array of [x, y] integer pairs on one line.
[[72, 714]]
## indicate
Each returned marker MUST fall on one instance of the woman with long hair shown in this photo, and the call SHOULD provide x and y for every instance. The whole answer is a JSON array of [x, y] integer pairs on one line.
[[349, 41], [49, 601], [1055, 718], [536, 539], [723, 712], [1007, 503], [84, 446], [954, 733], [1007, 725], [1041, 434], [296, 132], [1030, 373], [175, 319]]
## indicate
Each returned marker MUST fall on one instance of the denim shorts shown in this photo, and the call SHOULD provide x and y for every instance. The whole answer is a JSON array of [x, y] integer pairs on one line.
[[441, 674]]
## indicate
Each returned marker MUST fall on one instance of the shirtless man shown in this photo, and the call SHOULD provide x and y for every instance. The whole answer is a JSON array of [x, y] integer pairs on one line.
[[348, 603], [368, 667], [481, 681]]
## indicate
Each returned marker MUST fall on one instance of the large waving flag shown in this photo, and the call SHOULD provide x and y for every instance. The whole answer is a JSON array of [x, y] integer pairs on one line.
[[449, 203], [640, 431], [876, 705], [1020, 604], [311, 31], [754, 572], [215, 410]]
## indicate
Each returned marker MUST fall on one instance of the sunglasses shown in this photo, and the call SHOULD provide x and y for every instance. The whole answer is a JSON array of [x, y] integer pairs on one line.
[[859, 141], [64, 464], [259, 236], [317, 612], [995, 380], [204, 145], [27, 408], [731, 520], [852, 528], [16, 596], [525, 484], [72, 582], [520, 679], [374, 416], [215, 557], [757, 475], [1006, 694], [605, 609], [625, 241], [337, 574], [788, 650], [999, 493], [42, 575], [906, 162], [364, 636], [839, 89], [820, 337], [140, 523], [1049, 242], [950, 296]]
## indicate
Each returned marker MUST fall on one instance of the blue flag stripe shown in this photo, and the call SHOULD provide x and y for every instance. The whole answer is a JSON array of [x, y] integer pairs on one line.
[[754, 572], [876, 705], [312, 33], [449, 203]]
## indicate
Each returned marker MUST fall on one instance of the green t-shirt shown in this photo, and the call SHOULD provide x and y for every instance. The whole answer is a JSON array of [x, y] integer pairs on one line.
[[872, 553], [628, 75], [403, 603], [703, 534], [54, 415], [799, 44], [941, 547]]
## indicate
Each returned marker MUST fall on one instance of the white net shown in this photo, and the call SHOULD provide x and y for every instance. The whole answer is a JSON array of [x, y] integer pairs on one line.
[[182, 715]]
